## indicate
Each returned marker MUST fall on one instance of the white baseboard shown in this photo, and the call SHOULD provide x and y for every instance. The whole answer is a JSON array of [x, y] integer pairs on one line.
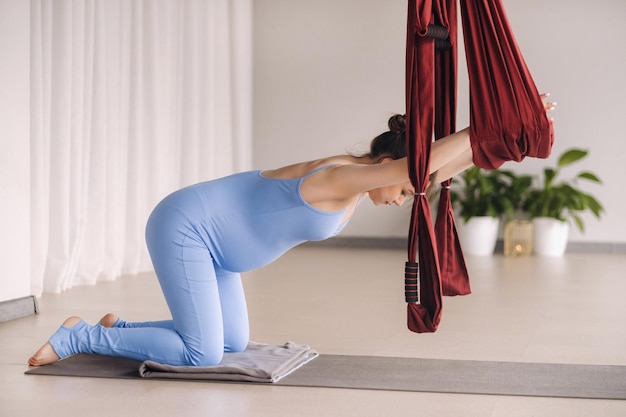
[[401, 243], [17, 308]]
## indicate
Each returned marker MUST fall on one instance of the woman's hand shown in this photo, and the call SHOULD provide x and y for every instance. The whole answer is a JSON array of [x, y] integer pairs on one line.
[[548, 105]]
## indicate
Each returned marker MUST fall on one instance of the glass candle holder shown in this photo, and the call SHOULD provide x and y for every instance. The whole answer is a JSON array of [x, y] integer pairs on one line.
[[518, 238]]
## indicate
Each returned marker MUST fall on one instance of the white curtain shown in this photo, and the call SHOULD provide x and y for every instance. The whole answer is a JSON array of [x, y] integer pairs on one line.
[[130, 100]]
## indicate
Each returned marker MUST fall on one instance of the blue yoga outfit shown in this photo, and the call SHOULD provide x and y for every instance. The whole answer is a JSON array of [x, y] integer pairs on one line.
[[200, 239]]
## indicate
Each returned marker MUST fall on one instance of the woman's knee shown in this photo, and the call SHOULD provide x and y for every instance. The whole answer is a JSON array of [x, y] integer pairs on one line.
[[236, 342], [213, 355], [208, 358]]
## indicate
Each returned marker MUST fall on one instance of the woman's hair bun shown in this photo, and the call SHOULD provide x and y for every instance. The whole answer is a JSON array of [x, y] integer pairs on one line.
[[396, 123]]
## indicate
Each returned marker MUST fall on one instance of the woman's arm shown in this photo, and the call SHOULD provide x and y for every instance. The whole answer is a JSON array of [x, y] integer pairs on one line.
[[454, 167], [449, 156], [342, 182], [447, 151]]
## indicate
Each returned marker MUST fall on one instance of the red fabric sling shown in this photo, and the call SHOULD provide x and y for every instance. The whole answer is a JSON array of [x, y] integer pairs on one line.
[[454, 276], [507, 118], [508, 122]]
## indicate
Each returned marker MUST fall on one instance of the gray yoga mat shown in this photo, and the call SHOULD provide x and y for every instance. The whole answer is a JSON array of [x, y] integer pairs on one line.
[[405, 374]]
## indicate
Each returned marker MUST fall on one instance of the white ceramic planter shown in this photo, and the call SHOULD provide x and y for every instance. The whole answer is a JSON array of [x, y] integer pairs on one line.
[[550, 236], [479, 235]]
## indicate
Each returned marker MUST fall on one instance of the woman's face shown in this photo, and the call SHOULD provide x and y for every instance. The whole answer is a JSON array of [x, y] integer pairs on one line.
[[393, 194]]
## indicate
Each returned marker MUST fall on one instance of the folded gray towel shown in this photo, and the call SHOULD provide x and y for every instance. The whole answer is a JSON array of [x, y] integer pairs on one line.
[[258, 363]]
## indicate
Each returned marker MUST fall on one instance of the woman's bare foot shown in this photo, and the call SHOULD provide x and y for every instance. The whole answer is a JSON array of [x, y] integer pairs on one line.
[[46, 354], [108, 320]]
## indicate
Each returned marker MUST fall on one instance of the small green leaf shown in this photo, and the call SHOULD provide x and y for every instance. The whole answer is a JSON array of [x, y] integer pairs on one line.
[[589, 176], [595, 206], [571, 156], [579, 222]]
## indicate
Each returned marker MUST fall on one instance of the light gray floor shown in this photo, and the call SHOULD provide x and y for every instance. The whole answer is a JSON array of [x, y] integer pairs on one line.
[[350, 301]]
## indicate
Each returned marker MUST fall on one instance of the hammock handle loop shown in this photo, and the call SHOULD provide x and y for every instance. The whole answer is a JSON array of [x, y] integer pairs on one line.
[[410, 282]]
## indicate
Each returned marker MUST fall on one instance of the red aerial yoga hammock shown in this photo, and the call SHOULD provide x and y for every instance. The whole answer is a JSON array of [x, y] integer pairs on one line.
[[507, 122]]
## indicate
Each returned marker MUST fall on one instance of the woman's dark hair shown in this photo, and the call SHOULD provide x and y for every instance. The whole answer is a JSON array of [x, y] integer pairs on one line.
[[392, 143]]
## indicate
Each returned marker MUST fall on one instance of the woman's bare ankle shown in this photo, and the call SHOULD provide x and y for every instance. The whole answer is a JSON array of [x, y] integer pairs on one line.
[[46, 354], [108, 320], [72, 321]]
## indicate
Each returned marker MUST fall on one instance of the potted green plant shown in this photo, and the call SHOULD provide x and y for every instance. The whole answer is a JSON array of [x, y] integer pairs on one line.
[[558, 202], [482, 198]]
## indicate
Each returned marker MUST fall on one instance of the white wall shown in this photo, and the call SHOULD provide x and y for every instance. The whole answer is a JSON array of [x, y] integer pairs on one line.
[[327, 76], [14, 143], [328, 73]]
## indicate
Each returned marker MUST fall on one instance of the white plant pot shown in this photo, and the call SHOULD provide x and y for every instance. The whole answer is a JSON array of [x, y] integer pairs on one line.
[[550, 236], [479, 235]]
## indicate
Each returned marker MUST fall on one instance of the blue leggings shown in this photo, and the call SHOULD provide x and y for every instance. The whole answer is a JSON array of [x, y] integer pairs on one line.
[[207, 303]]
